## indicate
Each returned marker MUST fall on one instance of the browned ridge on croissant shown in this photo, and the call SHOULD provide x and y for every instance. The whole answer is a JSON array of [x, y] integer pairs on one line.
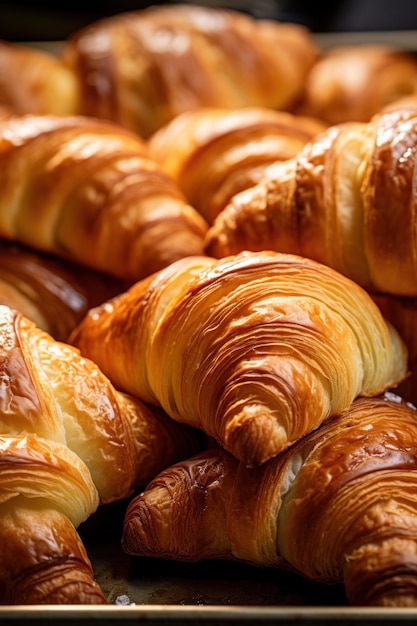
[[347, 200], [213, 153], [69, 441], [89, 192], [142, 68], [338, 506], [256, 349], [51, 292]]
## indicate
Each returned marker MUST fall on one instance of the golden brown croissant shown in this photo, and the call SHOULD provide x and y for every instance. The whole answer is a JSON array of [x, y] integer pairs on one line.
[[345, 200], [69, 442], [46, 492], [256, 350], [338, 506], [33, 80], [214, 153], [87, 191], [142, 68], [354, 82], [53, 293]]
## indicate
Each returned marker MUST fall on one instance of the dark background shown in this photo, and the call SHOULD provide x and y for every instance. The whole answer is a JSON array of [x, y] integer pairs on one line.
[[21, 21]]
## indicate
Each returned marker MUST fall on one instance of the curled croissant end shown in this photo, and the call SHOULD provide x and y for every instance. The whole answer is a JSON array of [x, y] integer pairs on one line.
[[213, 153], [256, 349], [46, 491], [69, 442], [161, 61], [43, 560], [88, 191], [338, 506], [346, 200]]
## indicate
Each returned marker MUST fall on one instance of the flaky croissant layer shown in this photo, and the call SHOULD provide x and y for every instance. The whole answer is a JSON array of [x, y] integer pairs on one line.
[[213, 153], [142, 68], [256, 350], [347, 200], [49, 291], [69, 441], [338, 506], [88, 191]]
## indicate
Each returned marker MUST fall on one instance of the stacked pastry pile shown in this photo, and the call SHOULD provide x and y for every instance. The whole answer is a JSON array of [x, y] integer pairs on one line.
[[193, 249]]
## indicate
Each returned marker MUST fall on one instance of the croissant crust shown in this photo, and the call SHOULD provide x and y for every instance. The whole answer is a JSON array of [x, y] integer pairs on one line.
[[158, 62], [256, 350], [345, 200], [88, 191], [338, 506]]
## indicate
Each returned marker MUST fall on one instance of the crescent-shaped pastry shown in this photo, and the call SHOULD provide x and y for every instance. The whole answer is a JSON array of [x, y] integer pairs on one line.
[[256, 349]]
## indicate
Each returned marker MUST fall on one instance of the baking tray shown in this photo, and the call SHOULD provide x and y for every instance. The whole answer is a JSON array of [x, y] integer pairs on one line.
[[167, 593], [158, 592]]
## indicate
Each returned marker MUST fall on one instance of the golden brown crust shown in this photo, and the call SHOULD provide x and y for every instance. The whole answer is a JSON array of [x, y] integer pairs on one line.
[[339, 506], [56, 570], [46, 491], [256, 350], [214, 153], [390, 206], [160, 441], [353, 83], [142, 68], [345, 200], [33, 80], [51, 391], [51, 292], [68, 443], [88, 191]]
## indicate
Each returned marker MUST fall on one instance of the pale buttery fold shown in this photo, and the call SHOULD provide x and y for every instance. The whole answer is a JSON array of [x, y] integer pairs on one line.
[[339, 506], [255, 349], [347, 200], [69, 441], [88, 191], [213, 153], [142, 68]]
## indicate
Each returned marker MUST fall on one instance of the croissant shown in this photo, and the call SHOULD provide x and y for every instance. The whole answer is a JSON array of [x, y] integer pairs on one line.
[[346, 200], [69, 442], [354, 82], [142, 68], [338, 506], [88, 192], [46, 492], [255, 350], [34, 80], [53, 293], [213, 153]]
